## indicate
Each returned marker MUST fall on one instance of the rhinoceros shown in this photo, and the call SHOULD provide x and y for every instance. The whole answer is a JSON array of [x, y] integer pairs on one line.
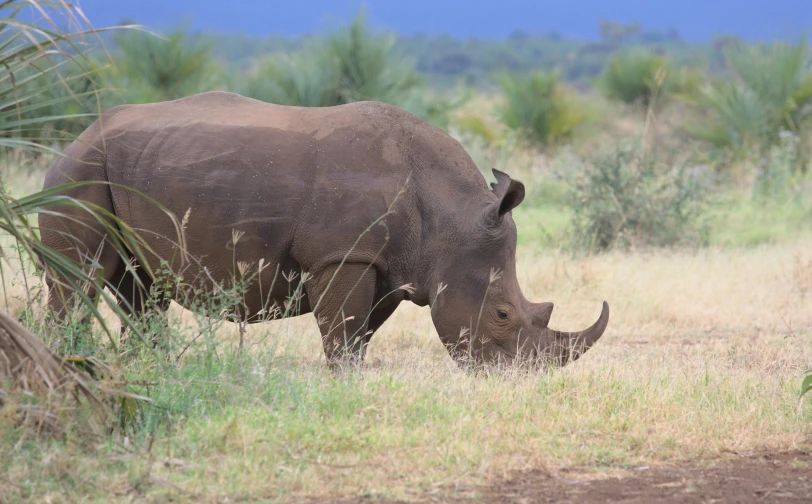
[[362, 206]]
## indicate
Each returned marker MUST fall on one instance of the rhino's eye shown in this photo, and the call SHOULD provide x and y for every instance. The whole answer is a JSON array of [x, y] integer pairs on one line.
[[502, 314]]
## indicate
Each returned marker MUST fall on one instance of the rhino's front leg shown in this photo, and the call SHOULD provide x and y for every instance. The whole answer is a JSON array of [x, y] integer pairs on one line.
[[342, 298]]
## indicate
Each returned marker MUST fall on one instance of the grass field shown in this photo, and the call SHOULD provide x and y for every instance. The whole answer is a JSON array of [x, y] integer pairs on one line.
[[703, 357]]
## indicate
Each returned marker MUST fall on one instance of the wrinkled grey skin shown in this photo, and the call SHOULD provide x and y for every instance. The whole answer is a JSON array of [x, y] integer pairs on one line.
[[363, 198]]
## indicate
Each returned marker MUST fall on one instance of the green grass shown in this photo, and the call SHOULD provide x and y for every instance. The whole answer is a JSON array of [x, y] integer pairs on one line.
[[734, 219], [256, 427], [543, 225], [738, 219]]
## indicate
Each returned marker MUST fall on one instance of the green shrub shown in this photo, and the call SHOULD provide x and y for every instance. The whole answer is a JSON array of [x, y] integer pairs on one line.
[[303, 80], [353, 64], [150, 68], [538, 107], [636, 77], [475, 126], [366, 68], [768, 90], [630, 199]]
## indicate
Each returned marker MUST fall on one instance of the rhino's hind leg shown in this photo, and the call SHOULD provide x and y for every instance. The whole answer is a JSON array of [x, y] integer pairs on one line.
[[377, 318], [342, 298], [61, 297], [133, 291]]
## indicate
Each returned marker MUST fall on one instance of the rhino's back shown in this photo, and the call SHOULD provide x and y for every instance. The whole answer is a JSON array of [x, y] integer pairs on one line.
[[223, 110], [298, 182]]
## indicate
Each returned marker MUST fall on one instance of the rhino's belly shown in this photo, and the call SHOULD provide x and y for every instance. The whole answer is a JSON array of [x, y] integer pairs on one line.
[[275, 291]]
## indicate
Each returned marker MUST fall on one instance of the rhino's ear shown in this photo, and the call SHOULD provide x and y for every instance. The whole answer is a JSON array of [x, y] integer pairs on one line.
[[509, 193]]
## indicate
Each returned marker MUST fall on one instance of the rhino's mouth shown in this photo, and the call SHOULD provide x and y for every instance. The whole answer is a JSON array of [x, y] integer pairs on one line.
[[553, 346]]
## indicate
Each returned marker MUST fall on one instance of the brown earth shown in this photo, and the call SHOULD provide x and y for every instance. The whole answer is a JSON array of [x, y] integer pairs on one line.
[[766, 477]]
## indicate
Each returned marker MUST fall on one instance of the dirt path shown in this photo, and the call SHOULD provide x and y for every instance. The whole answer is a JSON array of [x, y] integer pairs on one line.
[[776, 477], [767, 477]]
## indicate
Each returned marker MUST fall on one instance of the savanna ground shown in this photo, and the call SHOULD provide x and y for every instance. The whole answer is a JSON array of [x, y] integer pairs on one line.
[[695, 383]]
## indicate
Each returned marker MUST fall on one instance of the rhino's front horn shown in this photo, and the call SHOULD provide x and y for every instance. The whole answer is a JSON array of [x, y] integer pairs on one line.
[[571, 345]]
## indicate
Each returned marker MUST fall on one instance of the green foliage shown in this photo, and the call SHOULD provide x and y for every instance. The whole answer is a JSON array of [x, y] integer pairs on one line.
[[636, 77], [630, 199], [366, 68], [46, 101], [353, 64], [45, 86], [539, 108], [475, 126], [768, 91], [298, 79], [156, 68], [806, 384], [776, 178], [71, 97]]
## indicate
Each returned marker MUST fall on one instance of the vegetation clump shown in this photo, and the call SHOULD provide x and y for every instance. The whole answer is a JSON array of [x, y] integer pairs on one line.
[[350, 65], [539, 107], [149, 67], [766, 92], [629, 198], [636, 77]]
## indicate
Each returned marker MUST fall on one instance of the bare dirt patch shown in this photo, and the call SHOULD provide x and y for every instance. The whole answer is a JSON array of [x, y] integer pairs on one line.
[[767, 477], [764, 477]]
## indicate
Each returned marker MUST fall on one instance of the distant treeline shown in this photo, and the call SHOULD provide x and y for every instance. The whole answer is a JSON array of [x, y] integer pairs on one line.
[[448, 60]]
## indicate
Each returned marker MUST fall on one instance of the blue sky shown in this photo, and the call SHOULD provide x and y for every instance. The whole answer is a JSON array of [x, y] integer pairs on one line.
[[696, 20]]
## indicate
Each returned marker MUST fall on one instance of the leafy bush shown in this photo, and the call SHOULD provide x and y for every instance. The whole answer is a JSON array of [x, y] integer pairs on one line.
[[350, 65], [539, 108], [768, 91], [630, 199], [636, 77], [150, 68]]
